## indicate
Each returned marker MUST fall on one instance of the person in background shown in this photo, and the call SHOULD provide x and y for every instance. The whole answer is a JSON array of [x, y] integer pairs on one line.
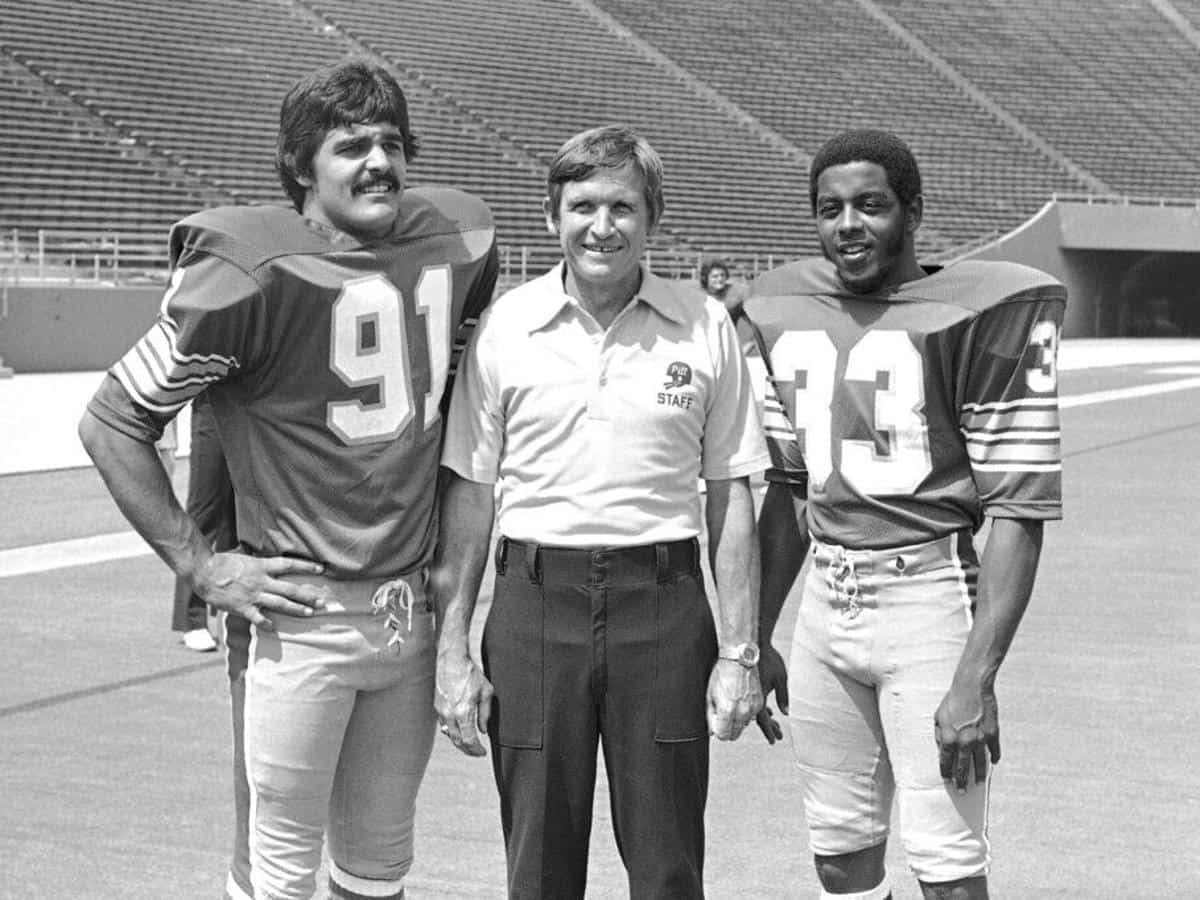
[[716, 281], [210, 504]]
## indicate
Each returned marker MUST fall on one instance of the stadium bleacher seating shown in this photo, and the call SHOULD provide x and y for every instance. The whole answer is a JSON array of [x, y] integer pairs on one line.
[[1112, 84], [806, 70], [124, 115], [547, 70]]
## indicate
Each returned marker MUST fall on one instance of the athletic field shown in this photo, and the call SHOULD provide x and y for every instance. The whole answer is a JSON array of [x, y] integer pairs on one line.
[[114, 739]]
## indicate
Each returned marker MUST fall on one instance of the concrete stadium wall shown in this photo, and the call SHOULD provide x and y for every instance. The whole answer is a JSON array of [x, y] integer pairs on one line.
[[1037, 243], [71, 328], [1102, 252]]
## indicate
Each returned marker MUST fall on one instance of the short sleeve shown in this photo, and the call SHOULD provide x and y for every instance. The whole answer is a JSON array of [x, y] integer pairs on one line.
[[1008, 411], [202, 335], [475, 423], [733, 445], [477, 300], [787, 459]]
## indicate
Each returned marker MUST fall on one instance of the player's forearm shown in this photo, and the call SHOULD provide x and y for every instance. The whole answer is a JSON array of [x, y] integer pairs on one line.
[[142, 491], [1006, 578], [464, 536], [734, 557], [783, 539]]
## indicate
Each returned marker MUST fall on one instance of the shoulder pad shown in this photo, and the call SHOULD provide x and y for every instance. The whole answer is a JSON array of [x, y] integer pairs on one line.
[[249, 236], [449, 206], [804, 276], [982, 284], [427, 212], [246, 236]]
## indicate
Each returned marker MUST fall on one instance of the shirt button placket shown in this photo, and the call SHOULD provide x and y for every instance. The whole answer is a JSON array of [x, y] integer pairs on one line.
[[596, 404]]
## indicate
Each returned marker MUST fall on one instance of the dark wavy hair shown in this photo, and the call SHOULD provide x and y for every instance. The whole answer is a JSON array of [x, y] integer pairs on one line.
[[707, 266], [351, 92]]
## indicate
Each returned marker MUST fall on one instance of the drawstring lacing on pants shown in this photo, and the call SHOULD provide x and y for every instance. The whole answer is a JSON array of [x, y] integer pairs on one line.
[[394, 597], [843, 582]]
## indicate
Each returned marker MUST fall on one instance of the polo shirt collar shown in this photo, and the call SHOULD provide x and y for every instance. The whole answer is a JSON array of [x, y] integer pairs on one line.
[[548, 303]]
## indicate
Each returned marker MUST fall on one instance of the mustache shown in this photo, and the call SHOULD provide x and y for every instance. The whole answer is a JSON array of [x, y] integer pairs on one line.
[[388, 180]]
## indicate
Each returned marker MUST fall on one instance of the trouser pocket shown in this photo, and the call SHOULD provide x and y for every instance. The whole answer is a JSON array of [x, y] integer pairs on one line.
[[686, 651], [513, 659]]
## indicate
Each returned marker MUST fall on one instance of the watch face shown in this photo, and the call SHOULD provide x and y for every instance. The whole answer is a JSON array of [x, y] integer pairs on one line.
[[747, 654]]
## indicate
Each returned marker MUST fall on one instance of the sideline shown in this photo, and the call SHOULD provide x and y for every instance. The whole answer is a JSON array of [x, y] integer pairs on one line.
[[39, 410], [76, 552], [1141, 390], [109, 687], [127, 544]]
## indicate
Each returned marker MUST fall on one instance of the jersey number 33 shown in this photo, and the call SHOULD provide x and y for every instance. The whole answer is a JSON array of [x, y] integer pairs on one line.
[[898, 409]]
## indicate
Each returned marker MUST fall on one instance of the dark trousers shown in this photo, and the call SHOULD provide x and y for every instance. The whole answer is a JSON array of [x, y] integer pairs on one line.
[[610, 647], [209, 502]]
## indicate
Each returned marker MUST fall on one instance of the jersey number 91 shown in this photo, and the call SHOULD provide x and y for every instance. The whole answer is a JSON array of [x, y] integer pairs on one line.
[[374, 306]]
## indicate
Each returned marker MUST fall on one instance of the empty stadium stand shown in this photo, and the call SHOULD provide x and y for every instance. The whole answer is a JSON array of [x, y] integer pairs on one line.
[[546, 70], [199, 92], [813, 69], [121, 116], [1110, 83]]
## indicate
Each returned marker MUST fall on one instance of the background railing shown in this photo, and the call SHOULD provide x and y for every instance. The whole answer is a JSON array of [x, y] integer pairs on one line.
[[1125, 200], [52, 255], [96, 257]]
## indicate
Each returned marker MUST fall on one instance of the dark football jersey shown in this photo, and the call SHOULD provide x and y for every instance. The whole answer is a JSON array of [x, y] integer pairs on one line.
[[326, 361], [917, 410]]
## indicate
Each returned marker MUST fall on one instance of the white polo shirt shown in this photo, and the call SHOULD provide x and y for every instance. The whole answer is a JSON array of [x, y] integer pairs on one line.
[[597, 437]]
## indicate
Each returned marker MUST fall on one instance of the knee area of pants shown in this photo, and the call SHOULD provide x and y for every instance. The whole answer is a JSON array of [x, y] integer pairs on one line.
[[853, 876], [947, 862]]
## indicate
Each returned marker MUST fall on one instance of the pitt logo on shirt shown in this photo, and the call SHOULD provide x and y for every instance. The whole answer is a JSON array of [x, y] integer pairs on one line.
[[679, 375]]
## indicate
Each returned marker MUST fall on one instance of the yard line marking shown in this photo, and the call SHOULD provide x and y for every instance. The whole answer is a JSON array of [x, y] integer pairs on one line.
[[1142, 390], [76, 552], [1133, 439], [107, 688], [127, 544]]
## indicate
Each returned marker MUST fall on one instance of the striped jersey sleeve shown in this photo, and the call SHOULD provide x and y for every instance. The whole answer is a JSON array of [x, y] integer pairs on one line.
[[200, 336], [1008, 410], [787, 460]]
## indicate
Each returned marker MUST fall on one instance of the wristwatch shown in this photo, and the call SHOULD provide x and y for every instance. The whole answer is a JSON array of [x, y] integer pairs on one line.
[[746, 654]]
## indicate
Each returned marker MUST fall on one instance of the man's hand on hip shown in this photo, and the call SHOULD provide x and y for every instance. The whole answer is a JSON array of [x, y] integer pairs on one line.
[[251, 586]]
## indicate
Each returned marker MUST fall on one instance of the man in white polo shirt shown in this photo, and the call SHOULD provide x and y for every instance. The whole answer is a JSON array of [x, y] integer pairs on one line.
[[595, 397]]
